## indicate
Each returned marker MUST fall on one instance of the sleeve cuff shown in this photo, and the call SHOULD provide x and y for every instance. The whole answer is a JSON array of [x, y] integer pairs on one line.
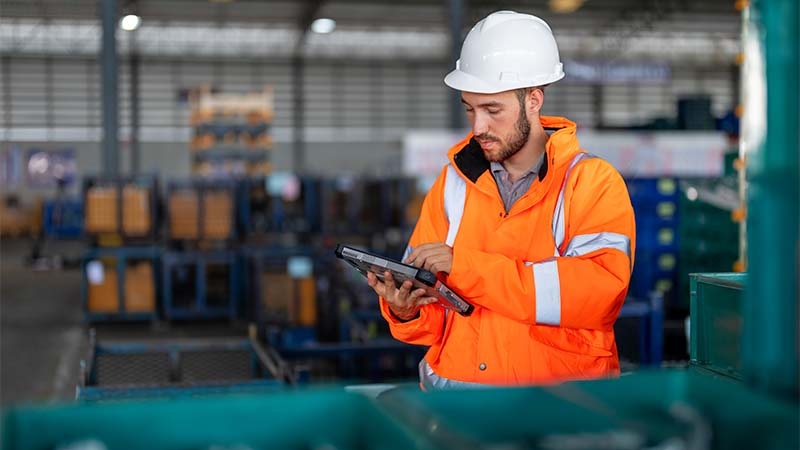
[[389, 315]]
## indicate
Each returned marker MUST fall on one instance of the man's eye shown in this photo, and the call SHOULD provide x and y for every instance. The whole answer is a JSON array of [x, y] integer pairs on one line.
[[493, 111]]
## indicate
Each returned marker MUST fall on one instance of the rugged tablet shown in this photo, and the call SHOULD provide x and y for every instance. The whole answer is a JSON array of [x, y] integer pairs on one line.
[[369, 262]]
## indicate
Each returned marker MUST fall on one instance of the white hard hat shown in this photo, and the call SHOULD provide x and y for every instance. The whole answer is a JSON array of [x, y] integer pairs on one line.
[[504, 51]]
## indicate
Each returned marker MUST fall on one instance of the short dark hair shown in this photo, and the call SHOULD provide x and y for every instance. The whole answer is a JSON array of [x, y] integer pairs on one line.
[[523, 92]]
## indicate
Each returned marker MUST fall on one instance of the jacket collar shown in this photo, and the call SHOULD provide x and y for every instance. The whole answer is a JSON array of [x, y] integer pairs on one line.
[[467, 155]]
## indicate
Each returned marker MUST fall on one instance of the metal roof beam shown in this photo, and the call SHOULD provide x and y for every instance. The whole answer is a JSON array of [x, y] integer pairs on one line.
[[304, 22]]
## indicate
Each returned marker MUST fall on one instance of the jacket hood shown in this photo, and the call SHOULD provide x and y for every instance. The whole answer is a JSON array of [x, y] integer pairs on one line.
[[467, 155]]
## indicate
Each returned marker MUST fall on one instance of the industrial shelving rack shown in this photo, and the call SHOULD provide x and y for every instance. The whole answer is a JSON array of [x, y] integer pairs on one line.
[[231, 133]]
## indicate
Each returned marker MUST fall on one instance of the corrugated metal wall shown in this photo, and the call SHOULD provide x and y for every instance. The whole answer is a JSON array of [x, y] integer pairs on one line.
[[348, 104]]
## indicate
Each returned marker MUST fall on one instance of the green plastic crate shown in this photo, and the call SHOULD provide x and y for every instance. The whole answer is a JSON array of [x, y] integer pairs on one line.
[[668, 408], [660, 409], [298, 420], [716, 322]]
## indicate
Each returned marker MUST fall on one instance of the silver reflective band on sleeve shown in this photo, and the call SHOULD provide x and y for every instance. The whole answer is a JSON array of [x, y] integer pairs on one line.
[[430, 381], [455, 189], [587, 243], [548, 293], [558, 213], [408, 251]]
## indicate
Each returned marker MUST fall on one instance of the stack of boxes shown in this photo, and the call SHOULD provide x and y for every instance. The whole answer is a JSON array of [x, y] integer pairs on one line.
[[201, 211], [120, 267], [200, 275], [286, 289], [17, 220], [231, 133], [218, 214], [121, 208], [139, 293], [101, 210], [136, 214], [231, 142], [184, 210]]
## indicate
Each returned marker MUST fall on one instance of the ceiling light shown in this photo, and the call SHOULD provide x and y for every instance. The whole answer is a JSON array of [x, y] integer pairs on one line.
[[130, 22], [323, 25]]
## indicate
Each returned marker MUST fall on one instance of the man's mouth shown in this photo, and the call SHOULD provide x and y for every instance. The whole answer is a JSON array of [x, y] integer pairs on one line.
[[485, 142]]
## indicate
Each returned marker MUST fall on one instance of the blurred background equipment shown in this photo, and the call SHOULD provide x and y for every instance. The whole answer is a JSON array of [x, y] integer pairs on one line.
[[232, 133]]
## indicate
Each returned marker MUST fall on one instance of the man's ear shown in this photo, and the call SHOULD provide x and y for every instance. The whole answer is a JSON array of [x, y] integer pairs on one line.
[[535, 101]]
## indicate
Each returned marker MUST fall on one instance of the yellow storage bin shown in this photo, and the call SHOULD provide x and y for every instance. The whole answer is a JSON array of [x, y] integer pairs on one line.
[[217, 214], [136, 214], [103, 293], [183, 214], [101, 210], [140, 289]]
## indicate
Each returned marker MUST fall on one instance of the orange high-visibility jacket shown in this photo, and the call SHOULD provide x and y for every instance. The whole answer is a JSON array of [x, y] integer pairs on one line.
[[547, 279]]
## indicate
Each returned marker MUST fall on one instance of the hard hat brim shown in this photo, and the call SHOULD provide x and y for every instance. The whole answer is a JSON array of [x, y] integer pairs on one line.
[[465, 82], [462, 81]]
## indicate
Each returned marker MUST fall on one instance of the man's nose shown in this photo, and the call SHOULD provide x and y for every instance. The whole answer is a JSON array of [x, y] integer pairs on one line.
[[479, 125]]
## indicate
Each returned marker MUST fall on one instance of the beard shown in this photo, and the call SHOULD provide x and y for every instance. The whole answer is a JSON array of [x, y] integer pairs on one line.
[[515, 141]]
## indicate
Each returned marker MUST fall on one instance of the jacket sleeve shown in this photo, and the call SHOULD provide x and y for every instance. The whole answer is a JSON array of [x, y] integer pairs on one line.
[[431, 226], [583, 288]]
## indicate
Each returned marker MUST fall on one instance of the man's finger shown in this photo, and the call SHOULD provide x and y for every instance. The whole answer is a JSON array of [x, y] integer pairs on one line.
[[417, 293], [420, 252], [379, 288], [372, 280], [427, 301], [405, 288]]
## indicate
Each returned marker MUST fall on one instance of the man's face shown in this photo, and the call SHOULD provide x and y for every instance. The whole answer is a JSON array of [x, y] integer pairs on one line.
[[499, 123]]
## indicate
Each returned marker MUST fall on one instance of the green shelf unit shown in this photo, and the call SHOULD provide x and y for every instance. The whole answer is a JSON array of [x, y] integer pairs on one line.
[[716, 322]]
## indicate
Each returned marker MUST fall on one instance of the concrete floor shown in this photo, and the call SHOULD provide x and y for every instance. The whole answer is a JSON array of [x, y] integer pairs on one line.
[[42, 334]]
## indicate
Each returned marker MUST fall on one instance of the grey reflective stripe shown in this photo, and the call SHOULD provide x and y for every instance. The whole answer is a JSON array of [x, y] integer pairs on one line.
[[558, 213], [587, 243], [548, 293], [432, 382], [408, 251], [455, 189]]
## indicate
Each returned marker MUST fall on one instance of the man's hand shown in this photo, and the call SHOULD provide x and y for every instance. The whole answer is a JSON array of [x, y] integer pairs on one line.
[[435, 257], [403, 302]]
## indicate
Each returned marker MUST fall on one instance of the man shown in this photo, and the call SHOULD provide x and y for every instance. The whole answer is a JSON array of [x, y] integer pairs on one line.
[[535, 233]]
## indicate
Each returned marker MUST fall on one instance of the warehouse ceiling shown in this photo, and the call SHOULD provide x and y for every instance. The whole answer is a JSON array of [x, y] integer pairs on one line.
[[684, 31]]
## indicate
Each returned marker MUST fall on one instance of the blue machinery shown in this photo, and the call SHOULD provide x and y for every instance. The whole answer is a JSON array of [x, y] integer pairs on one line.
[[194, 299], [62, 218], [651, 327]]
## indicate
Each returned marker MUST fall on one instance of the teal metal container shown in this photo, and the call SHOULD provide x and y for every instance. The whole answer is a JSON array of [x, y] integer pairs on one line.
[[678, 408], [298, 420], [716, 322], [770, 352], [708, 237], [660, 409]]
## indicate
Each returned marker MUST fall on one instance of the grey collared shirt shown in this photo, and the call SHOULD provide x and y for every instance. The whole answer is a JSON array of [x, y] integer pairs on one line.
[[511, 192]]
